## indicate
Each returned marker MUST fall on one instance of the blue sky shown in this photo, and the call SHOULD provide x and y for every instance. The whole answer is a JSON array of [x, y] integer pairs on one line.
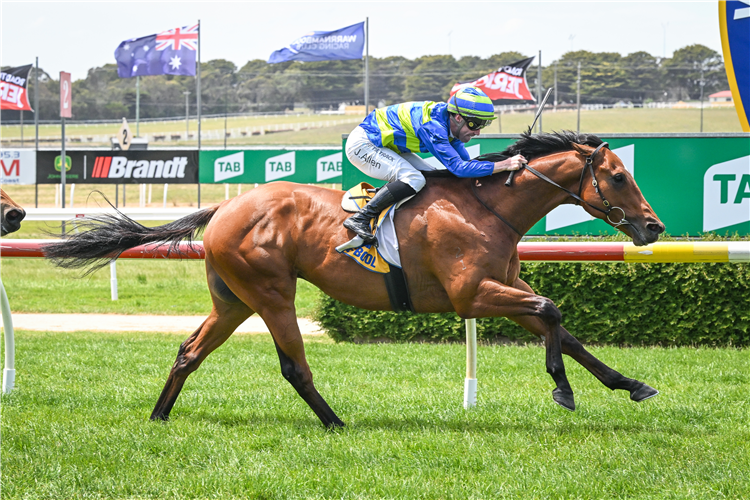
[[76, 36]]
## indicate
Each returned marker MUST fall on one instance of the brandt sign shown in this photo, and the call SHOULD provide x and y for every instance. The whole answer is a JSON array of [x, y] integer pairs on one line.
[[119, 167], [138, 167]]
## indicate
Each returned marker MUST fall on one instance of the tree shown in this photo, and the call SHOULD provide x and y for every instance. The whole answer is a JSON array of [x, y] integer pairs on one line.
[[602, 76], [684, 70], [432, 79]]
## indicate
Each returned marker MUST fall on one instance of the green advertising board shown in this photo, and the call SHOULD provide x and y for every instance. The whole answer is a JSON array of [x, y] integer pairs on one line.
[[695, 183], [250, 166]]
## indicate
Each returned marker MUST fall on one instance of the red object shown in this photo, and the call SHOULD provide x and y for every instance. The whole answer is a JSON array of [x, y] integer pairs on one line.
[[32, 248], [14, 89], [66, 95], [571, 252], [508, 82], [528, 252]]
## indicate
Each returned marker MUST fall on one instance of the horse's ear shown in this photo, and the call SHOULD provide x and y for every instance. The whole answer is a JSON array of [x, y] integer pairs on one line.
[[584, 150]]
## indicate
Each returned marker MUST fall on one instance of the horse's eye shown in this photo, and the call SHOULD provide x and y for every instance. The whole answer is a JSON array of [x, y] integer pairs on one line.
[[618, 178]]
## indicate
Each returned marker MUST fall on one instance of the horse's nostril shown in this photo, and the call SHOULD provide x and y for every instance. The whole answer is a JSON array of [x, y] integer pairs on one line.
[[15, 216], [655, 227]]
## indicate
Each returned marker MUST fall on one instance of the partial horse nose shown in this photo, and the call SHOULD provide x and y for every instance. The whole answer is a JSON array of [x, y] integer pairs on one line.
[[14, 217], [655, 227]]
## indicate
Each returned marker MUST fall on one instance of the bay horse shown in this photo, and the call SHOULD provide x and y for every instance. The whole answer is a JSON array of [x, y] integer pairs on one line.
[[12, 214], [457, 242]]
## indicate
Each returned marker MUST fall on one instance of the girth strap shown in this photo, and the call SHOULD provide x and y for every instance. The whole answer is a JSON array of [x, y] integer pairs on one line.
[[398, 291]]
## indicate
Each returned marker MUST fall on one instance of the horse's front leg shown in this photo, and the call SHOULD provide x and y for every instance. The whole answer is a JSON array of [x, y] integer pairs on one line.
[[573, 348], [492, 298]]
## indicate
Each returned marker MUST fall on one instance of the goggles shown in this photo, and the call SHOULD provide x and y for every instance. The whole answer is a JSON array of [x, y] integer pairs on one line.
[[475, 123]]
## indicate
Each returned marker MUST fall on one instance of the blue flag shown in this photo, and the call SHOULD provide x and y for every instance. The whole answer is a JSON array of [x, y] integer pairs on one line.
[[734, 22], [346, 43], [171, 52]]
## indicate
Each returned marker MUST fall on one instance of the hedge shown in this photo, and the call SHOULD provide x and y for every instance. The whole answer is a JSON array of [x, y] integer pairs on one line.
[[603, 303]]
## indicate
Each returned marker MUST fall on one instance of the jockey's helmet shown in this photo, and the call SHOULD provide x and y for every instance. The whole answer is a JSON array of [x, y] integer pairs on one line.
[[474, 106]]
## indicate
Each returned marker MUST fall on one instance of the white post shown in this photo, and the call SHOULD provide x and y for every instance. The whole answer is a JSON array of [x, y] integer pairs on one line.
[[9, 373], [470, 383], [149, 193], [226, 191], [166, 187], [113, 279], [72, 193]]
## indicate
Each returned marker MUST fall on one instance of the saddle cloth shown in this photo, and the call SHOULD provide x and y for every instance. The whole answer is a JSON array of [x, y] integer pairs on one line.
[[376, 259]]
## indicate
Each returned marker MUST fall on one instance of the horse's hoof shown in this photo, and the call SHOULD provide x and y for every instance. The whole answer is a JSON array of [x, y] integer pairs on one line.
[[643, 393], [335, 425], [564, 399], [159, 418]]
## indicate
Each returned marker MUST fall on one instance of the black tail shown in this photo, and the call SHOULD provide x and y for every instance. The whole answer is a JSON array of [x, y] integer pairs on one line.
[[95, 241]]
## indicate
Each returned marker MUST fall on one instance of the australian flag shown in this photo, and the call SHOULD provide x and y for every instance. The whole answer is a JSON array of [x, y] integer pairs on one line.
[[171, 52]]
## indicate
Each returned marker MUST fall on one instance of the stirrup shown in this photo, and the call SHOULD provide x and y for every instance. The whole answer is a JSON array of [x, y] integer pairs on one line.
[[355, 242]]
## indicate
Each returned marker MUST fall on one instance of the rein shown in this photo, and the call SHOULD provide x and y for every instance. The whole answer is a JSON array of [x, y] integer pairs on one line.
[[590, 164], [476, 195]]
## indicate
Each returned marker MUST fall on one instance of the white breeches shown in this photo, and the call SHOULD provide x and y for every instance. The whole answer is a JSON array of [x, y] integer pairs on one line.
[[383, 163]]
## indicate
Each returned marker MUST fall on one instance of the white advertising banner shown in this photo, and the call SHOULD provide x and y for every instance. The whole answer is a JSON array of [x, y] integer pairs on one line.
[[17, 166]]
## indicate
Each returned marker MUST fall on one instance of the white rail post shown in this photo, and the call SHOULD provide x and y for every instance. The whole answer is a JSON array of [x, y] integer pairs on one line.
[[9, 373], [470, 383], [113, 278]]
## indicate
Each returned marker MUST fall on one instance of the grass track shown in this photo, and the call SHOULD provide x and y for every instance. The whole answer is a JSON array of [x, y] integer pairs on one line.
[[76, 426], [145, 286]]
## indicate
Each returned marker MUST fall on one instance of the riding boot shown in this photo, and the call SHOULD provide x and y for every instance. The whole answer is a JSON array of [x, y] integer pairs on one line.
[[391, 193]]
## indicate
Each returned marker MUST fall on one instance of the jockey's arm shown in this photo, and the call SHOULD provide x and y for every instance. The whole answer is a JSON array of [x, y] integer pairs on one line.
[[436, 142]]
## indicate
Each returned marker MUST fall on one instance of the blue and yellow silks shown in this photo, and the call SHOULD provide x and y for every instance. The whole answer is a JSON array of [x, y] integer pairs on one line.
[[423, 127]]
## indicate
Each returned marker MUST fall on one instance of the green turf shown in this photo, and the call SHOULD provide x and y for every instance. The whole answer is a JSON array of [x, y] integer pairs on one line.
[[77, 424], [145, 286]]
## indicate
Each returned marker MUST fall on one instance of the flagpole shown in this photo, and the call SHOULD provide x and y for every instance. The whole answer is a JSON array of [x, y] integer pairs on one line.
[[539, 89], [137, 105], [36, 126], [367, 66], [199, 106]]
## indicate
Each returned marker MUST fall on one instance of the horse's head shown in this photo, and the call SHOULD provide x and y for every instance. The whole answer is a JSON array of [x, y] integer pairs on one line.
[[611, 194], [12, 214]]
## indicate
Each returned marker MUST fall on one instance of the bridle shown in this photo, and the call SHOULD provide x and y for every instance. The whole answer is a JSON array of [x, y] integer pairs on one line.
[[608, 208]]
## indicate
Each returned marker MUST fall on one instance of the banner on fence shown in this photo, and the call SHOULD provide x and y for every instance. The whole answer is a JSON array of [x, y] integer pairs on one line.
[[695, 184], [306, 166], [119, 167], [17, 166]]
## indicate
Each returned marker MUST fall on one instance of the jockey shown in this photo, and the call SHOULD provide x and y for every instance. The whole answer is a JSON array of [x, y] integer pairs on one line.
[[383, 146]]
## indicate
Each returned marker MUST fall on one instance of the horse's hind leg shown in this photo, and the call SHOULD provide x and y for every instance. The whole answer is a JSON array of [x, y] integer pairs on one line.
[[573, 348], [215, 330], [269, 289], [294, 367]]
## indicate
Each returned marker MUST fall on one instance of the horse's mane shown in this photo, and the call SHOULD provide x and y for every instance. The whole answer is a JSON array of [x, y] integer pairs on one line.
[[532, 146], [536, 145]]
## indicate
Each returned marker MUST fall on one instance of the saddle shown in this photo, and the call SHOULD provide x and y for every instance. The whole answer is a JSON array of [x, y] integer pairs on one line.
[[368, 256], [384, 258]]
